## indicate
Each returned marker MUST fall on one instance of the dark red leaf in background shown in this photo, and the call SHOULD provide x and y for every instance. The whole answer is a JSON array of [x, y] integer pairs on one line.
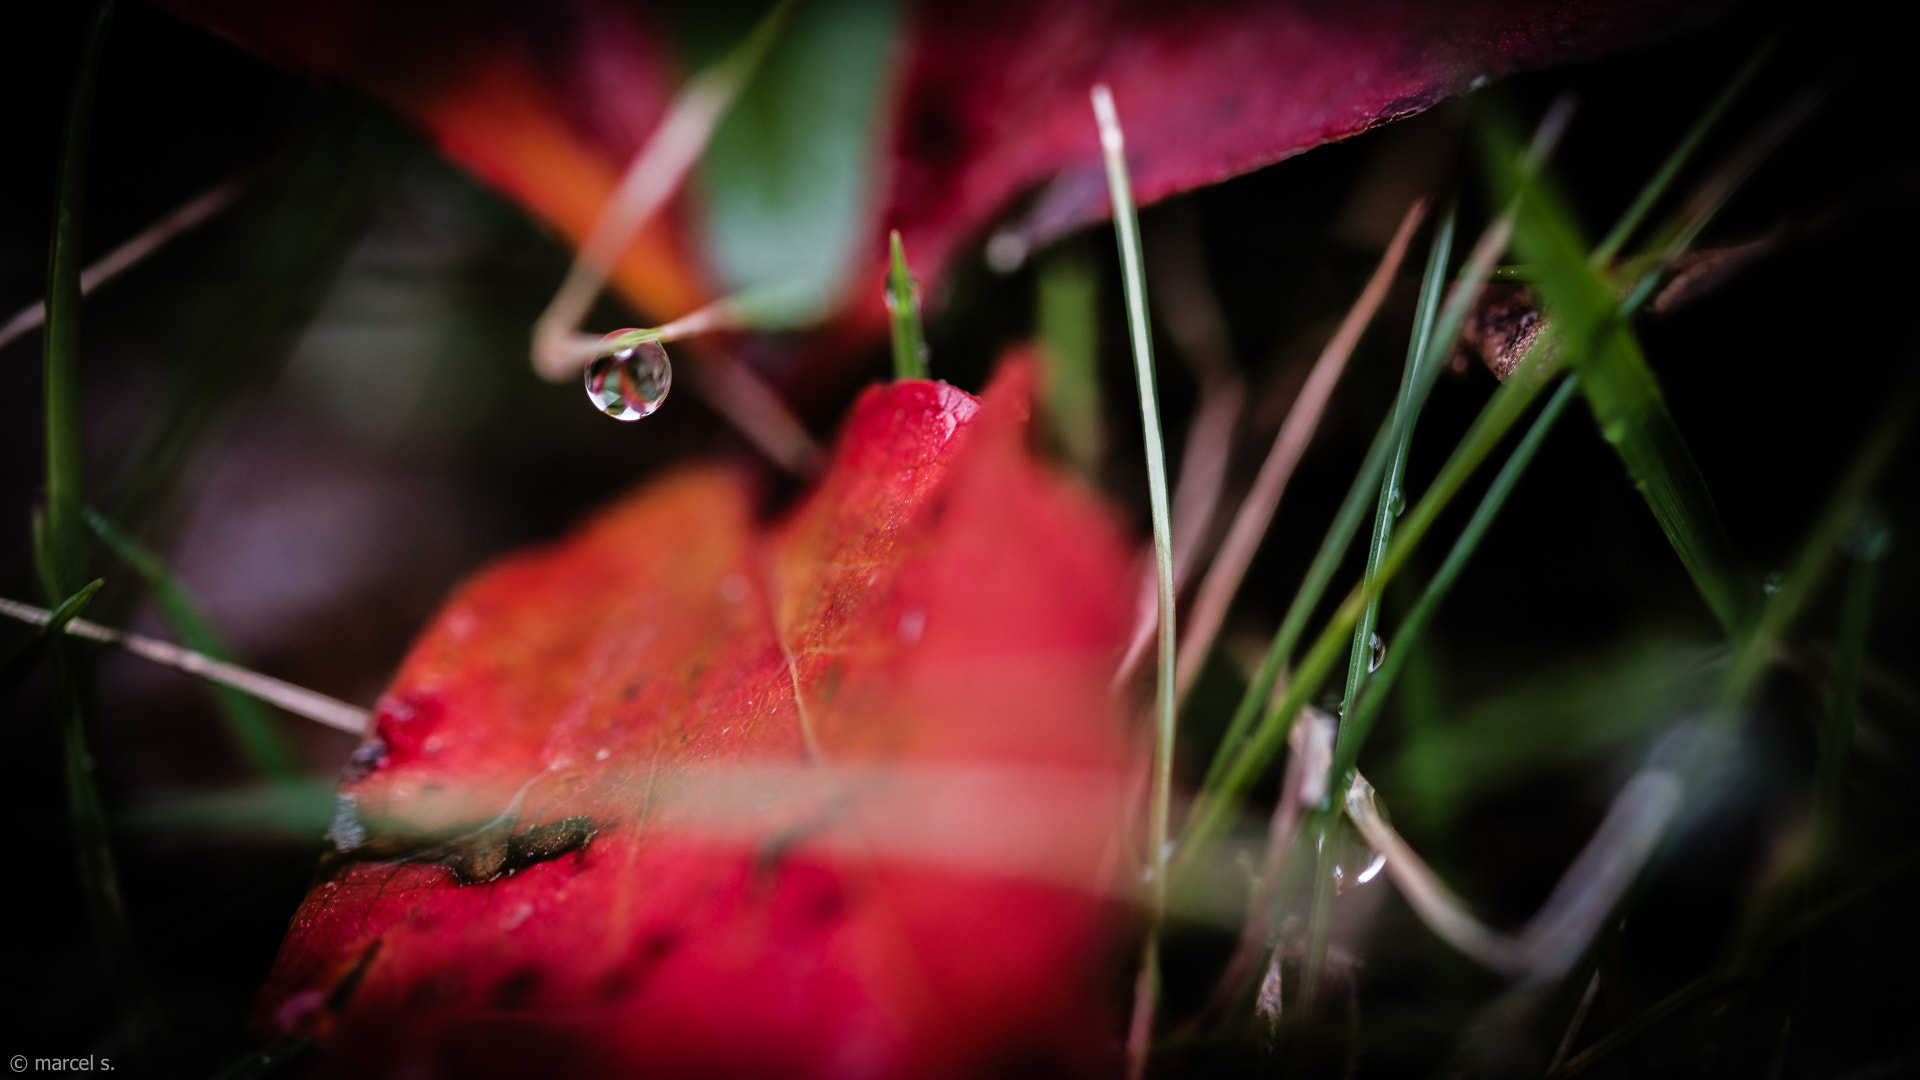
[[689, 793], [549, 101]]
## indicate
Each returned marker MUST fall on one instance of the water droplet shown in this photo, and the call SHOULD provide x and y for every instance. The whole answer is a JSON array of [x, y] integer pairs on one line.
[[1771, 585], [346, 830], [1339, 879], [1396, 501], [913, 625], [632, 382], [1373, 869], [1377, 653]]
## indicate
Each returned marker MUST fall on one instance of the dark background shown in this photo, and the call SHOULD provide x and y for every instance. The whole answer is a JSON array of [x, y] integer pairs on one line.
[[353, 332]]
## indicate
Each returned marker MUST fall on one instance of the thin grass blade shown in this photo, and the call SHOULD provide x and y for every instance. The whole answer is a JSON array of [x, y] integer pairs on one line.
[[1133, 278], [251, 726], [903, 307], [1663, 178], [1346, 522], [1391, 501], [1217, 806], [1408, 633], [1803, 580], [61, 554]]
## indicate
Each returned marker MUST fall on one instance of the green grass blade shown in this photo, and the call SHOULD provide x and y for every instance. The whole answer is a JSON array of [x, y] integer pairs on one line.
[[1662, 179], [1407, 634], [251, 725], [1803, 579], [1626, 401], [21, 661], [1126, 225], [1387, 508], [1069, 327], [1867, 546], [903, 305], [65, 550], [1216, 806], [1392, 500], [70, 608], [296, 810], [60, 549], [1127, 228], [1429, 328]]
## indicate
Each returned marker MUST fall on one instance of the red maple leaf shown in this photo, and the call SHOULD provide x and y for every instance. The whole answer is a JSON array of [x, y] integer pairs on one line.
[[694, 793]]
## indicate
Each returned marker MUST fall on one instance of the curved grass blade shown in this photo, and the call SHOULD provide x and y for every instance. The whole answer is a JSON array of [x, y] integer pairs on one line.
[[251, 726], [1626, 401]]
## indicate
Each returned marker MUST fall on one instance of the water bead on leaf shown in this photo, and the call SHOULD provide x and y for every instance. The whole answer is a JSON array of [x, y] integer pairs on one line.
[[629, 383]]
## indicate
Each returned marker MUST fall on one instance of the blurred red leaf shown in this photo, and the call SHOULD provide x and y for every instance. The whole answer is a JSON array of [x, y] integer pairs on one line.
[[692, 793], [549, 101]]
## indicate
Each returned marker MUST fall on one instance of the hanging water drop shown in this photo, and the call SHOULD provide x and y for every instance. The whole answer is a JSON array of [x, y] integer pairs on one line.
[[1376, 653], [1396, 501], [632, 382]]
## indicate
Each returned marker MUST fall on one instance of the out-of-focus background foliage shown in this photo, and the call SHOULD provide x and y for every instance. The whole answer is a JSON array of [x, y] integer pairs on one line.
[[318, 409]]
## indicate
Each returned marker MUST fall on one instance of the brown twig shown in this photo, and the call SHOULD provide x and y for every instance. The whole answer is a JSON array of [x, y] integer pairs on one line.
[[184, 218], [297, 700]]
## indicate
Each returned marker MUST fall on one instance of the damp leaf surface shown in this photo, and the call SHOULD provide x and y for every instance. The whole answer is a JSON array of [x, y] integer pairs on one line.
[[698, 791]]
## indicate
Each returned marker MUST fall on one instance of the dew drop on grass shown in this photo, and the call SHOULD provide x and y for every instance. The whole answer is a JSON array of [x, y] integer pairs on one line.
[[632, 382], [1396, 501], [1377, 653]]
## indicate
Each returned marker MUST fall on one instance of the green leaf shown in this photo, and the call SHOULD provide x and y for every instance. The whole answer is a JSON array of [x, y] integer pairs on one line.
[[786, 183]]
